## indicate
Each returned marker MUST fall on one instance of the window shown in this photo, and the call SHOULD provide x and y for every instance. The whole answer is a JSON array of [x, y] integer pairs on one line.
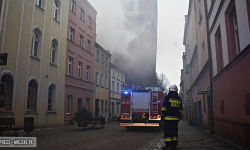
[[34, 44], [117, 108], [69, 99], [79, 69], [51, 98], [87, 103], [106, 106], [232, 31], [52, 53], [39, 3], [117, 88], [106, 82], [81, 40], [71, 34], [219, 50], [117, 75], [88, 69], [89, 22], [88, 45], [55, 10], [97, 78], [113, 73], [102, 105], [73, 6], [200, 12], [121, 87], [32, 95], [113, 87], [102, 59], [102, 80], [122, 78], [106, 61], [203, 54], [82, 15], [97, 55], [6, 92], [70, 65]]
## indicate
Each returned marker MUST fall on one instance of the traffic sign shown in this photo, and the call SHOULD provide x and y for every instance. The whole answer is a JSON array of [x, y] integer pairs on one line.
[[185, 99], [186, 104]]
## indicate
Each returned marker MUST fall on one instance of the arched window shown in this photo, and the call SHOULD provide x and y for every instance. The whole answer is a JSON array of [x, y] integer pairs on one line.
[[51, 97], [32, 95], [53, 53], [6, 92], [55, 10], [34, 44]]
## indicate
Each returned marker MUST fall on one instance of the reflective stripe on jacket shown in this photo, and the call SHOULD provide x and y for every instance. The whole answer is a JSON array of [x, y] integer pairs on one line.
[[172, 118]]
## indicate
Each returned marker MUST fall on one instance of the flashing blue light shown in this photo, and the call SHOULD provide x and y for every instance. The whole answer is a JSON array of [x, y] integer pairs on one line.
[[126, 92], [159, 101]]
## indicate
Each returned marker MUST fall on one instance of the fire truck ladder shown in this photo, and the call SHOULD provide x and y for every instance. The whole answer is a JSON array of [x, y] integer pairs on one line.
[[154, 102]]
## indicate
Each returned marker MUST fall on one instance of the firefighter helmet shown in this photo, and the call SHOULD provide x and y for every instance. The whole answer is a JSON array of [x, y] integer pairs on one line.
[[173, 88]]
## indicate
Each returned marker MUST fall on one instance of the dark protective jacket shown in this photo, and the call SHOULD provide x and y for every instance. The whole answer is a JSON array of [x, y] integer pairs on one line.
[[172, 107]]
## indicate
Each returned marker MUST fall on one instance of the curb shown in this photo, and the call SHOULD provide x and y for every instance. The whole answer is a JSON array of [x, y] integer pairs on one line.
[[230, 142]]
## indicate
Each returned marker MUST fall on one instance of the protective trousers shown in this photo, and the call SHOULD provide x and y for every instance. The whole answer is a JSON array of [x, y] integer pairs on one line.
[[171, 133]]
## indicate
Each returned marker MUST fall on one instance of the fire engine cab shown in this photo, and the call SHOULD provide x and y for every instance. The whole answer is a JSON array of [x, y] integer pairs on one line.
[[140, 106]]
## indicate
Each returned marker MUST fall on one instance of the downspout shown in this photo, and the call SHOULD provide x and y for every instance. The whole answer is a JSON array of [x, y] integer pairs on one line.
[[109, 83], [210, 72]]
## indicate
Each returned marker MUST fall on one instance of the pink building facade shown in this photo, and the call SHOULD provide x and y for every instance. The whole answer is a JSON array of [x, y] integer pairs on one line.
[[229, 31], [80, 58]]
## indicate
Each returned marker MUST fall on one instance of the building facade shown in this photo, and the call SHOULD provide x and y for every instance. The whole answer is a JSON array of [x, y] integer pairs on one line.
[[117, 79], [140, 60], [33, 35], [195, 81], [80, 58], [102, 82], [229, 33]]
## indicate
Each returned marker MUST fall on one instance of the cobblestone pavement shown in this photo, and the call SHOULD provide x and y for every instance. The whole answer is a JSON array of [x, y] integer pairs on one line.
[[192, 138], [114, 137]]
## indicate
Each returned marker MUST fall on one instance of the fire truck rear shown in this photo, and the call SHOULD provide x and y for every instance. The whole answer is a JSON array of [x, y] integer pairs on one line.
[[140, 107]]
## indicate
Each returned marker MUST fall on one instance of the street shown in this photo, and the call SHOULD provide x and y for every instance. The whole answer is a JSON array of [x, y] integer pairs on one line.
[[114, 137]]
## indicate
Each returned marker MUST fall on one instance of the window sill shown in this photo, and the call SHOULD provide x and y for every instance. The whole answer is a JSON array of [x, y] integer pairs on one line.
[[106, 88], [82, 21], [113, 77], [68, 113], [90, 27], [97, 85], [54, 65], [73, 13], [35, 58], [102, 86], [40, 8], [56, 20], [51, 113], [6, 112], [31, 112]]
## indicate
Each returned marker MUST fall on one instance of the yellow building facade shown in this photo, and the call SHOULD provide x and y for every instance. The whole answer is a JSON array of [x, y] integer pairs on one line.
[[117, 78], [102, 82], [33, 34]]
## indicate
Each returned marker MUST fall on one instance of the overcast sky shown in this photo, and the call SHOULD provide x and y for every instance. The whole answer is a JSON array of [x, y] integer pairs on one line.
[[171, 21]]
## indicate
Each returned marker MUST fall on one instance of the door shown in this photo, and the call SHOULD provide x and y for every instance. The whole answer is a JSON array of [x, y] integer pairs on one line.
[[79, 104], [97, 108], [209, 111], [199, 117], [113, 109]]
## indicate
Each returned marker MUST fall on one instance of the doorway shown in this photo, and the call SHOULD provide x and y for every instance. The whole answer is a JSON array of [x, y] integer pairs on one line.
[[79, 104], [113, 109], [199, 115], [97, 108]]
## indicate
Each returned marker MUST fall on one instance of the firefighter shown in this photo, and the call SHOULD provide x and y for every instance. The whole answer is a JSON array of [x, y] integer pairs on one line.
[[171, 112]]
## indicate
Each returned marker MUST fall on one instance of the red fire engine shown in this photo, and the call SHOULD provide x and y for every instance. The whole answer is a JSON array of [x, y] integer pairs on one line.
[[140, 106]]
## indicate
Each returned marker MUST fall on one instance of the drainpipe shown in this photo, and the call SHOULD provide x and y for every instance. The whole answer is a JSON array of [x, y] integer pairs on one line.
[[210, 72], [109, 84]]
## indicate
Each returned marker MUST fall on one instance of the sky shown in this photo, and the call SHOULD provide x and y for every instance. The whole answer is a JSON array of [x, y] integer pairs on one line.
[[171, 21]]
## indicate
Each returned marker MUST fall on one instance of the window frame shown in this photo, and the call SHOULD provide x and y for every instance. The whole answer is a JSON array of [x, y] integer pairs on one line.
[[102, 59], [102, 85], [81, 40], [53, 55], [39, 3], [89, 21], [88, 71], [106, 82], [71, 34], [30, 97], [73, 6], [97, 55], [34, 40], [70, 66], [219, 50], [82, 15], [89, 45], [79, 69], [97, 78], [55, 10]]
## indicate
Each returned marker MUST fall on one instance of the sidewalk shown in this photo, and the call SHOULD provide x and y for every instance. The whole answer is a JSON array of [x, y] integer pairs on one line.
[[194, 138]]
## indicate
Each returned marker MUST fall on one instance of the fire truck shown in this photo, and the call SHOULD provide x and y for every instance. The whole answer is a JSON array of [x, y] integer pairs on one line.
[[140, 106]]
